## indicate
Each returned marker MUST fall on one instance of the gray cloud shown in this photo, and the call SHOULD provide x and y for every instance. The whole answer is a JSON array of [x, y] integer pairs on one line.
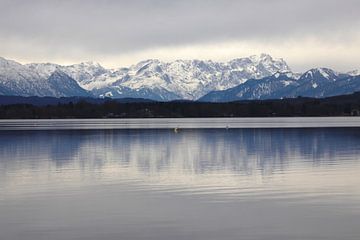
[[44, 29]]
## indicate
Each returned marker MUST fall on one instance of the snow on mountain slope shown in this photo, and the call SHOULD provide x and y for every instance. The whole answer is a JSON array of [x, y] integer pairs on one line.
[[272, 87], [16, 79], [83, 73], [180, 79], [314, 82], [44, 69], [104, 80], [63, 85], [319, 75], [22, 80], [318, 82], [185, 79], [254, 77]]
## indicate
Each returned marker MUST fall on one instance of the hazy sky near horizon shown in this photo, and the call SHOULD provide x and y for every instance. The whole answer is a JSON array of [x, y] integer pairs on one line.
[[306, 33]]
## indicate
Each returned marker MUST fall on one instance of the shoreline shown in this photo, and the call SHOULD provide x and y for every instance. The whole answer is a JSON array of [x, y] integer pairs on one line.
[[179, 123]]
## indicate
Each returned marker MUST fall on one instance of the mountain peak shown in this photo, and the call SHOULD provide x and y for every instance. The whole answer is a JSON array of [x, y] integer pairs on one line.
[[325, 73], [88, 64], [7, 63], [265, 56], [261, 58], [147, 62]]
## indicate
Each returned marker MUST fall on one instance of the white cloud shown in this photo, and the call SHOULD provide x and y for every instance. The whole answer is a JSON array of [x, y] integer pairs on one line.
[[119, 33], [301, 53]]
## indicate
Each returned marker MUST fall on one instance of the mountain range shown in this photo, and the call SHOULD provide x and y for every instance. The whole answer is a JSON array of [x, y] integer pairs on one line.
[[316, 83], [254, 77]]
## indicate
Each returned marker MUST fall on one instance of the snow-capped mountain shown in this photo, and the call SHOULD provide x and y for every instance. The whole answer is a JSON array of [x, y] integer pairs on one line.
[[318, 82], [154, 79], [20, 80], [274, 86], [63, 85], [314, 82], [16, 79], [82, 72], [185, 79], [254, 77]]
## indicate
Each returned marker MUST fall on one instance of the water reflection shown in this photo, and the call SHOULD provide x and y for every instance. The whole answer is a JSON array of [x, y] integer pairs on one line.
[[228, 162], [276, 184]]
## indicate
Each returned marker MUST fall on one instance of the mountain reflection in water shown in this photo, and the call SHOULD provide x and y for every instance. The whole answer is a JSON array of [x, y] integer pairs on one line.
[[227, 161], [262, 184]]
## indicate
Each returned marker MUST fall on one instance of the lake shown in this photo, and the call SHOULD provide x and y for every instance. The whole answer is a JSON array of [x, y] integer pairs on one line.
[[98, 180], [186, 123]]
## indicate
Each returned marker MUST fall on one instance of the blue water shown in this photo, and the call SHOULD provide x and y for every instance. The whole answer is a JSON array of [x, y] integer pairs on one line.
[[192, 184]]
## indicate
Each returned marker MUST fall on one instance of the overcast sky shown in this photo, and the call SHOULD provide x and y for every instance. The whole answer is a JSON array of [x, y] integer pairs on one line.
[[306, 33]]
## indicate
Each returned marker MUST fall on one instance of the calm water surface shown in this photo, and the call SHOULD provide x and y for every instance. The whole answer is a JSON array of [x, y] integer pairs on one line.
[[277, 184]]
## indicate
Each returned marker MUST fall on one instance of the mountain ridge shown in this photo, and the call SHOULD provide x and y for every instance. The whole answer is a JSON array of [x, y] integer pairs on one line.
[[314, 83], [256, 77], [179, 79]]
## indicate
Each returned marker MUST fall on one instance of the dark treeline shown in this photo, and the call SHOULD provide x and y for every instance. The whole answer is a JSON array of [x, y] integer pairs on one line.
[[347, 105]]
